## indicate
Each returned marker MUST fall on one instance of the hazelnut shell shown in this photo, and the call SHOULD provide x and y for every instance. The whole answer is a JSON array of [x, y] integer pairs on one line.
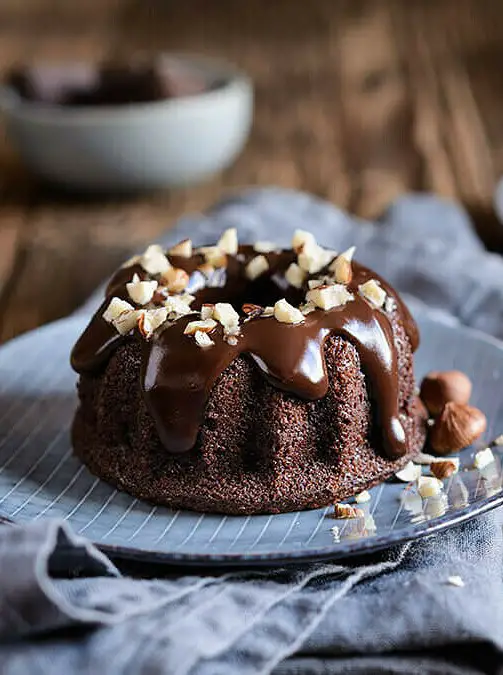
[[439, 388], [457, 426]]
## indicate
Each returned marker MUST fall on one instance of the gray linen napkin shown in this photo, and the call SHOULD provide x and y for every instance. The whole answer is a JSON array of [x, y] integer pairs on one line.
[[65, 608]]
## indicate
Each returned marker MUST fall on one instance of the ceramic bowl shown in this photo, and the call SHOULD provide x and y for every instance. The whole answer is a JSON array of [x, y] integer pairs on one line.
[[136, 146]]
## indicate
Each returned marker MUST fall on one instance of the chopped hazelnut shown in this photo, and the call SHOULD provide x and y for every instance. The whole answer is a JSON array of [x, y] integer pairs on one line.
[[427, 486], [410, 472], [268, 311], [314, 283], [225, 314], [483, 458], [256, 267], [115, 308], [203, 339], [363, 497], [302, 238], [176, 305], [313, 258], [341, 266], [347, 511], [154, 261], [205, 326], [175, 279], [287, 313], [207, 311], [295, 275], [252, 310], [182, 249], [150, 320], [141, 292], [187, 298], [214, 256], [228, 242], [328, 297], [126, 321], [372, 291], [264, 246]]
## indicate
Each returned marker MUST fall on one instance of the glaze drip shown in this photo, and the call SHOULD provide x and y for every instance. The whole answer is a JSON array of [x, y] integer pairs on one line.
[[178, 375]]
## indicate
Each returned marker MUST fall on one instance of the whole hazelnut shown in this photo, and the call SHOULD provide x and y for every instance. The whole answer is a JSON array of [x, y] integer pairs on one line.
[[457, 426], [441, 387]]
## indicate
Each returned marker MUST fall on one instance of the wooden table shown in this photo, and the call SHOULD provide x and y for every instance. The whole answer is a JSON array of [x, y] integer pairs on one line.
[[357, 101]]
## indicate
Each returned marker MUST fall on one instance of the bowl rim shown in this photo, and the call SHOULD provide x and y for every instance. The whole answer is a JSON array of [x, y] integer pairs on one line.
[[236, 82]]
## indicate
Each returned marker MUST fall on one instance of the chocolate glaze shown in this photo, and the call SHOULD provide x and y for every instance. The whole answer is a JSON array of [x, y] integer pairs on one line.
[[178, 375]]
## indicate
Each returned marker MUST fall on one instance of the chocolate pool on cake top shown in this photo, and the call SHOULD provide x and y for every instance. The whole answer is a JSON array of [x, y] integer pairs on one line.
[[246, 378]]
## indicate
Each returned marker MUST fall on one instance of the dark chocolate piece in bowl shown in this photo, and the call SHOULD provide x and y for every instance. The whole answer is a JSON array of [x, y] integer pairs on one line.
[[109, 83]]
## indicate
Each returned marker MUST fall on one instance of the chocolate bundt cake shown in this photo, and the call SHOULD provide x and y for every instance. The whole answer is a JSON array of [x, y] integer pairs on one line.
[[247, 379]]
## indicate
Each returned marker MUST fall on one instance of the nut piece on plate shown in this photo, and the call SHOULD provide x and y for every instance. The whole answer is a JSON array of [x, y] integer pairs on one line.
[[445, 468], [175, 279], [115, 308], [428, 486], [256, 267], [182, 249], [457, 426], [363, 497], [225, 314], [328, 297], [372, 291], [341, 267], [410, 472], [284, 312], [295, 275], [141, 292], [347, 511], [228, 242], [154, 261], [439, 388], [483, 458], [205, 326]]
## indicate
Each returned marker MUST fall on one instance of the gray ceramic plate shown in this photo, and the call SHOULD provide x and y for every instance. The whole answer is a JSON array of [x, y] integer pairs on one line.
[[39, 477]]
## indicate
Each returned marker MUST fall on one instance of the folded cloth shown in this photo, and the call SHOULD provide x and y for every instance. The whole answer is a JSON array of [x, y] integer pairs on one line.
[[66, 608]]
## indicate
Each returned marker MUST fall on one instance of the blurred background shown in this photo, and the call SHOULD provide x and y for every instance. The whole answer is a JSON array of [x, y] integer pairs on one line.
[[357, 101]]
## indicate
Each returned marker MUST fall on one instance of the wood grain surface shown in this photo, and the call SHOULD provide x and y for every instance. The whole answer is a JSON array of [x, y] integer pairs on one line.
[[356, 101]]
